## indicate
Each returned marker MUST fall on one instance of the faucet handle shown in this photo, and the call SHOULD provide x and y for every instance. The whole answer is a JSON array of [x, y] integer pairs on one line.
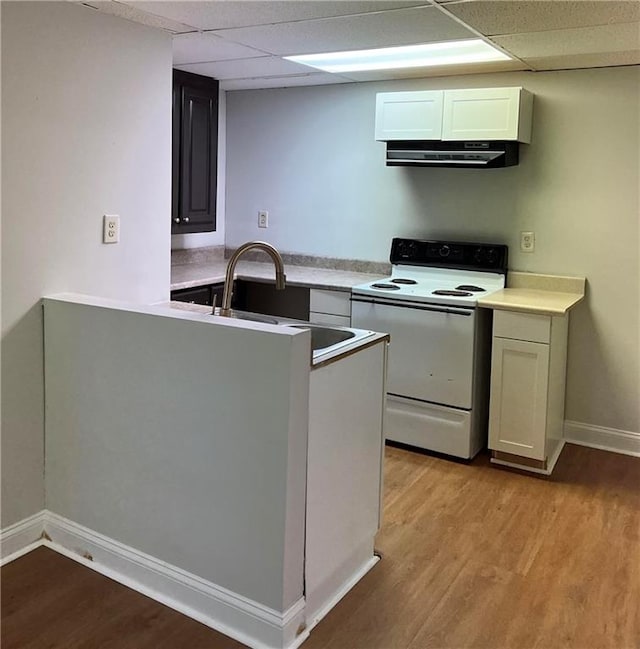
[[213, 308]]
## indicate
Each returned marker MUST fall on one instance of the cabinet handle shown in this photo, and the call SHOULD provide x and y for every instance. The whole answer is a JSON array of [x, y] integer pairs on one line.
[[176, 220], [186, 219]]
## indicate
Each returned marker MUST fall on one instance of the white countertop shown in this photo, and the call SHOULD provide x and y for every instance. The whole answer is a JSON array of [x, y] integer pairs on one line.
[[535, 293], [198, 274]]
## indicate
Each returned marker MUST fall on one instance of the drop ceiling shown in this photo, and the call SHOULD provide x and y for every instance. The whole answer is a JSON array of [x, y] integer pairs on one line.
[[242, 42]]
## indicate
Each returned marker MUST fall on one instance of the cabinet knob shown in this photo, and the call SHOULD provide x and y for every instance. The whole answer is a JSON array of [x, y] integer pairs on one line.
[[186, 219], [176, 220]]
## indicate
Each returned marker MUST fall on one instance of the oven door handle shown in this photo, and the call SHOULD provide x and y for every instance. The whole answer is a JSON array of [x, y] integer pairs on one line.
[[412, 306]]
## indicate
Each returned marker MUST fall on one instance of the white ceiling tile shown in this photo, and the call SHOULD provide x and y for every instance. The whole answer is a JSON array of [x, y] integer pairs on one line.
[[319, 79], [567, 42], [202, 46], [520, 16], [577, 61], [265, 66], [388, 28], [437, 71], [134, 14], [223, 14]]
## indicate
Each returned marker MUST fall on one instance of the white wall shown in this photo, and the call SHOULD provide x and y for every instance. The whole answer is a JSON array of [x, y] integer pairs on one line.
[[86, 125], [308, 156]]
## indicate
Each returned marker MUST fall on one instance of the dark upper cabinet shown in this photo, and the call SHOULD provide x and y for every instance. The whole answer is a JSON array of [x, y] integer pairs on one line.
[[195, 153]]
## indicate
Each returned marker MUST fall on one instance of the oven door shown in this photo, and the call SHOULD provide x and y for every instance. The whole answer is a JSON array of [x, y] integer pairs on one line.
[[431, 353]]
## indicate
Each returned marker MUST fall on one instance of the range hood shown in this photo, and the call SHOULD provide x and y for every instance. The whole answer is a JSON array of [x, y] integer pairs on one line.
[[436, 153]]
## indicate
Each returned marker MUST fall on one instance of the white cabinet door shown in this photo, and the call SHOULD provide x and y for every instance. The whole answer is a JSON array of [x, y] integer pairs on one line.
[[518, 407], [487, 114], [409, 115]]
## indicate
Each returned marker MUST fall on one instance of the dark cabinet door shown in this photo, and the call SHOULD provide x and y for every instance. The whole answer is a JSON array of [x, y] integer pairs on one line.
[[195, 151]]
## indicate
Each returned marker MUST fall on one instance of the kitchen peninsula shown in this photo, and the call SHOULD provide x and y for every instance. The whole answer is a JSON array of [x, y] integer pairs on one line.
[[194, 458]]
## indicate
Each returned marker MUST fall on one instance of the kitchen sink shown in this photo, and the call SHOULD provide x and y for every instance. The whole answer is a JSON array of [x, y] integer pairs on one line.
[[323, 337], [326, 339]]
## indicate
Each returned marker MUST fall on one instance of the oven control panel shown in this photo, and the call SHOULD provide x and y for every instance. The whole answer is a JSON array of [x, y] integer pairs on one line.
[[450, 254]]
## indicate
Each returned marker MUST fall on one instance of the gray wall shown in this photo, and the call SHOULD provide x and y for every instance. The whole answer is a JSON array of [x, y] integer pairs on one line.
[[86, 127], [308, 156], [195, 455]]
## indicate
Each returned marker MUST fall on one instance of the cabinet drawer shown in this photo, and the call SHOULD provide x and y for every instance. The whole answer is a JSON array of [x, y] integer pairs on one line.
[[522, 326], [335, 302], [330, 319]]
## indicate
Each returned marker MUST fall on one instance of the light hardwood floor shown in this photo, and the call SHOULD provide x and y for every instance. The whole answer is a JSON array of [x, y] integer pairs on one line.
[[473, 556]]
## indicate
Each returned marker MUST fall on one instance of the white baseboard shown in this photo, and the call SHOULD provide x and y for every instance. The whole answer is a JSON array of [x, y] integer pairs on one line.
[[607, 439], [316, 617], [22, 537], [240, 618]]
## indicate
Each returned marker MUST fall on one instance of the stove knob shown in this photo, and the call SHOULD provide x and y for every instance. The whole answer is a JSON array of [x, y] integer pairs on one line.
[[491, 256], [444, 250], [406, 249]]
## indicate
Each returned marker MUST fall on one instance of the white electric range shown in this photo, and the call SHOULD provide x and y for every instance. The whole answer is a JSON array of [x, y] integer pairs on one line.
[[439, 356]]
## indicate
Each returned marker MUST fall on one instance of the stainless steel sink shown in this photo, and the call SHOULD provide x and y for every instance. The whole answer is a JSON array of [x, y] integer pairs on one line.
[[323, 337], [326, 340]]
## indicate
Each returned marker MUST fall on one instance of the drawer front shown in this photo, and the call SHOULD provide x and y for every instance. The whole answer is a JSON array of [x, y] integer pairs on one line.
[[329, 319], [335, 302], [522, 326]]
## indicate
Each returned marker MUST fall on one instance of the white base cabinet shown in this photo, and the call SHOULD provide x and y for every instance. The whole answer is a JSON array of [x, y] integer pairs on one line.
[[528, 368], [344, 475]]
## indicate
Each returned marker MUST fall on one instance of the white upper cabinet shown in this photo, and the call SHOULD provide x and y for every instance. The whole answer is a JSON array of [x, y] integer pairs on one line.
[[487, 114], [473, 114], [409, 115]]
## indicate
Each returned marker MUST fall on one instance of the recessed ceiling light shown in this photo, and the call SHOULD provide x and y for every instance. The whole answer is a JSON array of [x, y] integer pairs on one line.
[[408, 56]]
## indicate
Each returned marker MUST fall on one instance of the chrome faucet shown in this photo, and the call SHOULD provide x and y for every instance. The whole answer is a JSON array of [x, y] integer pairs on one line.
[[225, 309]]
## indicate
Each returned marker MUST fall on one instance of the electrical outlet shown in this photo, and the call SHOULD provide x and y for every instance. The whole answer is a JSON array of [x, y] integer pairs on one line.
[[111, 229], [527, 241], [263, 219]]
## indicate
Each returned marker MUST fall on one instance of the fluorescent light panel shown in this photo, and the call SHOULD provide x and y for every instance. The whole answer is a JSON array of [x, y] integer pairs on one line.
[[409, 56]]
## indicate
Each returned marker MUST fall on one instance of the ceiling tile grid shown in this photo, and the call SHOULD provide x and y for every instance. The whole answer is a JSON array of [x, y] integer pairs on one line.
[[241, 42]]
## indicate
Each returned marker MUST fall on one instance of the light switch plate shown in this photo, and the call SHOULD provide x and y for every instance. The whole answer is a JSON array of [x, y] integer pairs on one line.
[[111, 229], [263, 219]]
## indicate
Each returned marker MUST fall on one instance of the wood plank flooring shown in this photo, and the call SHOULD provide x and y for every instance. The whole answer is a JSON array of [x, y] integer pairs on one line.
[[473, 557]]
